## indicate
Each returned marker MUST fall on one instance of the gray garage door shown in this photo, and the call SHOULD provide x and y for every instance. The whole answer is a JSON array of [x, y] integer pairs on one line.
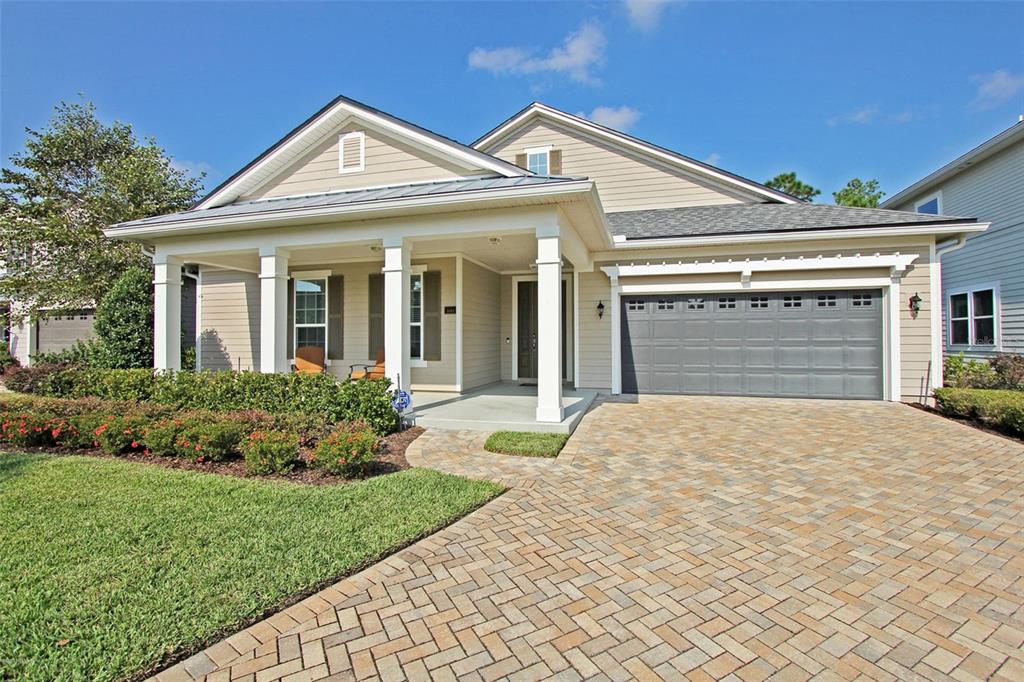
[[821, 344]]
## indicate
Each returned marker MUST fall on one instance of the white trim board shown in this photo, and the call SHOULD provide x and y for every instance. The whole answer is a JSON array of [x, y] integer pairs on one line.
[[746, 267]]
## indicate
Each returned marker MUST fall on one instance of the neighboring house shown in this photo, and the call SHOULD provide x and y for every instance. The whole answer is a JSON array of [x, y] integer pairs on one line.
[[983, 282], [551, 251], [54, 333]]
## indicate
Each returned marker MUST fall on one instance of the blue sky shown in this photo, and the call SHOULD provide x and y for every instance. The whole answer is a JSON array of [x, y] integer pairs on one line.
[[832, 90]]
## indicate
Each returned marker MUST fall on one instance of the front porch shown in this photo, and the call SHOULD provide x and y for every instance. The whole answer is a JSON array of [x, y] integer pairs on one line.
[[504, 406]]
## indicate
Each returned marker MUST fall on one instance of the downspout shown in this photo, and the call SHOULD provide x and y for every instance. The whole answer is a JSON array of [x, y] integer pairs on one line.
[[949, 246]]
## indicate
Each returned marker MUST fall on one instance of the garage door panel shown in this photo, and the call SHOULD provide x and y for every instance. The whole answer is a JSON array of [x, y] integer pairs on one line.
[[795, 344]]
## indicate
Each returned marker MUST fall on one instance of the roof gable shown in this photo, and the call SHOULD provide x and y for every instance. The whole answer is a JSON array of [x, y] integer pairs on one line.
[[306, 137], [744, 186]]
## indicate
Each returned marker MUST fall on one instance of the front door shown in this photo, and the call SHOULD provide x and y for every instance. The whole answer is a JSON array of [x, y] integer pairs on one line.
[[526, 340]]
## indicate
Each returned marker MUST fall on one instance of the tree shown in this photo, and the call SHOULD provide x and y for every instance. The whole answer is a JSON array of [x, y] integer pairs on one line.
[[124, 321], [791, 185], [75, 177], [859, 193]]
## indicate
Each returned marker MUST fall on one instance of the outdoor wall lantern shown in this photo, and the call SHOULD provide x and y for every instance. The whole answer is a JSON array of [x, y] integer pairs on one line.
[[915, 303], [600, 309]]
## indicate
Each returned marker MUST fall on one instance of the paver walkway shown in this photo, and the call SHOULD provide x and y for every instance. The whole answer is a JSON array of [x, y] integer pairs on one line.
[[700, 538]]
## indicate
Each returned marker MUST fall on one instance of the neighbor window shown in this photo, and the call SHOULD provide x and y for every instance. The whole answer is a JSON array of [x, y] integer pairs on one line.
[[930, 205], [537, 161], [972, 318], [311, 313], [416, 317]]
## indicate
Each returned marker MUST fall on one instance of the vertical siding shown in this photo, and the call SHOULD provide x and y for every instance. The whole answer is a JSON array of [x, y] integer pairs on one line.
[[991, 191], [481, 326], [626, 181], [387, 162], [230, 329]]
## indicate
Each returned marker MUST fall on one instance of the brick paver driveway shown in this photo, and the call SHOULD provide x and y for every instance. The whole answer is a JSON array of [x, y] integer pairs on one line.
[[699, 538]]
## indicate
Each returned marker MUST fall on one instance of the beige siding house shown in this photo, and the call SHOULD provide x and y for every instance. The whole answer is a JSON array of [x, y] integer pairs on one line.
[[982, 282], [552, 258]]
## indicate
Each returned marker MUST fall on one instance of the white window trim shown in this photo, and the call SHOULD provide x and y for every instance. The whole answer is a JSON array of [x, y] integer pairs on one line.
[[311, 275], [971, 344], [545, 150], [921, 202], [418, 270], [362, 152]]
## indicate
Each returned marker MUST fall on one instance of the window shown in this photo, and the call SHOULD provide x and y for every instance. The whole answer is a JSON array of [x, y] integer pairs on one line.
[[727, 303], [351, 152], [827, 301], [695, 304], [861, 300], [665, 304], [537, 160], [972, 318], [416, 316], [311, 313], [635, 305], [931, 205], [792, 301], [758, 302]]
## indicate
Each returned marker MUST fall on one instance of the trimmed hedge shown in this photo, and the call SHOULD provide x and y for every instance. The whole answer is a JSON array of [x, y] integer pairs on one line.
[[1001, 409], [302, 394]]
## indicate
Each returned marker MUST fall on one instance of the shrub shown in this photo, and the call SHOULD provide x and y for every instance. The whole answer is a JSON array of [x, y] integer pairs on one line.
[[319, 395], [267, 452], [117, 435], [348, 450], [6, 358], [29, 379], [210, 441], [90, 353], [1002, 409], [124, 320], [1009, 371], [82, 431], [960, 372], [27, 429], [161, 437]]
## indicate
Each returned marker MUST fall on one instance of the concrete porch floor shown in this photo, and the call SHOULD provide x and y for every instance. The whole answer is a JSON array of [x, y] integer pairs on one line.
[[506, 406]]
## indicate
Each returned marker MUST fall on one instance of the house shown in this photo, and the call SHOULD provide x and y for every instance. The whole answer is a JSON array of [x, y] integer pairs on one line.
[[553, 253], [983, 282]]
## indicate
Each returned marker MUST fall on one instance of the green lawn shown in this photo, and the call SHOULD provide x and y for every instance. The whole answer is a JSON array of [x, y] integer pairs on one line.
[[526, 443], [130, 562]]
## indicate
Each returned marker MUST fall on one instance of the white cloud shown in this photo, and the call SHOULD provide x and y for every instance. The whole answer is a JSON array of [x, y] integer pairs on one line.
[[581, 51], [620, 118], [713, 159], [860, 116], [905, 116], [996, 88], [645, 14]]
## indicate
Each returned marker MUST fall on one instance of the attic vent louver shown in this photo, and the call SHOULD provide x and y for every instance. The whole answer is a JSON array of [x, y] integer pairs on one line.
[[351, 152]]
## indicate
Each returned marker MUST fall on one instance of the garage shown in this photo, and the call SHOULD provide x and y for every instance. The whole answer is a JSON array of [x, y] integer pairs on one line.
[[802, 344]]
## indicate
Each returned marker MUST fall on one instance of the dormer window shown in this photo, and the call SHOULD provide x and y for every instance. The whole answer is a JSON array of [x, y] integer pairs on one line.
[[538, 160], [351, 152], [931, 205]]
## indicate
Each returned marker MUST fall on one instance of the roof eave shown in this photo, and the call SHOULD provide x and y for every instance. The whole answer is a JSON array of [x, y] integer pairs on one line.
[[937, 229], [357, 210]]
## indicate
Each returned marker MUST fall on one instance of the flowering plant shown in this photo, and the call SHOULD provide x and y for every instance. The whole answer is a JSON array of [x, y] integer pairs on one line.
[[348, 450], [267, 452]]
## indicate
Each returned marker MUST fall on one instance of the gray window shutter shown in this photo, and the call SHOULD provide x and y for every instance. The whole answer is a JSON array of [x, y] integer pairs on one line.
[[521, 160], [555, 162], [432, 315], [376, 341], [291, 317], [335, 317]]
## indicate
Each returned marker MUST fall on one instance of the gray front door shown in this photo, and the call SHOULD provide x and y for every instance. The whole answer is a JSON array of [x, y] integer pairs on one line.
[[820, 344]]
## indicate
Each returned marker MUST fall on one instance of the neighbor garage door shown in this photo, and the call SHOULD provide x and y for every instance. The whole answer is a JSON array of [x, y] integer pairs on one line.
[[821, 344]]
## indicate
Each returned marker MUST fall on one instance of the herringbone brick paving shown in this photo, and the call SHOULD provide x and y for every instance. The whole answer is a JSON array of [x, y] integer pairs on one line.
[[689, 538]]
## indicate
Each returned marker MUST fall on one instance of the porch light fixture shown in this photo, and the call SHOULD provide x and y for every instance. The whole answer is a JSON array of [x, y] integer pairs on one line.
[[600, 309], [915, 303], [494, 240], [376, 248]]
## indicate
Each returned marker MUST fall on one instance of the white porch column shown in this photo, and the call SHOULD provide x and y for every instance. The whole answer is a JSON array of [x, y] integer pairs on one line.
[[273, 310], [549, 329], [166, 312], [397, 268]]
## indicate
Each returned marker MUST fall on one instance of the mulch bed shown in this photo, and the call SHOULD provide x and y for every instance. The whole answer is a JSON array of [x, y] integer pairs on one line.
[[390, 460], [973, 423]]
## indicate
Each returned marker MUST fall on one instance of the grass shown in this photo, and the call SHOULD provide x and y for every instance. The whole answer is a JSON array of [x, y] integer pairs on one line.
[[526, 443], [108, 567]]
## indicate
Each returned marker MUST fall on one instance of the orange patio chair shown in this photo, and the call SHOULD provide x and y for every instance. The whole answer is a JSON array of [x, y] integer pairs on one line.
[[375, 371], [310, 360]]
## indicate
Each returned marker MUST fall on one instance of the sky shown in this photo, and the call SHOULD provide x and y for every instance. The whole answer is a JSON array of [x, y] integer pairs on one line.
[[831, 90]]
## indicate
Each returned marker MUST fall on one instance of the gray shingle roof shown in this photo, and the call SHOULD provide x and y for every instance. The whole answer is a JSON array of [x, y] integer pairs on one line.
[[699, 221], [327, 199]]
